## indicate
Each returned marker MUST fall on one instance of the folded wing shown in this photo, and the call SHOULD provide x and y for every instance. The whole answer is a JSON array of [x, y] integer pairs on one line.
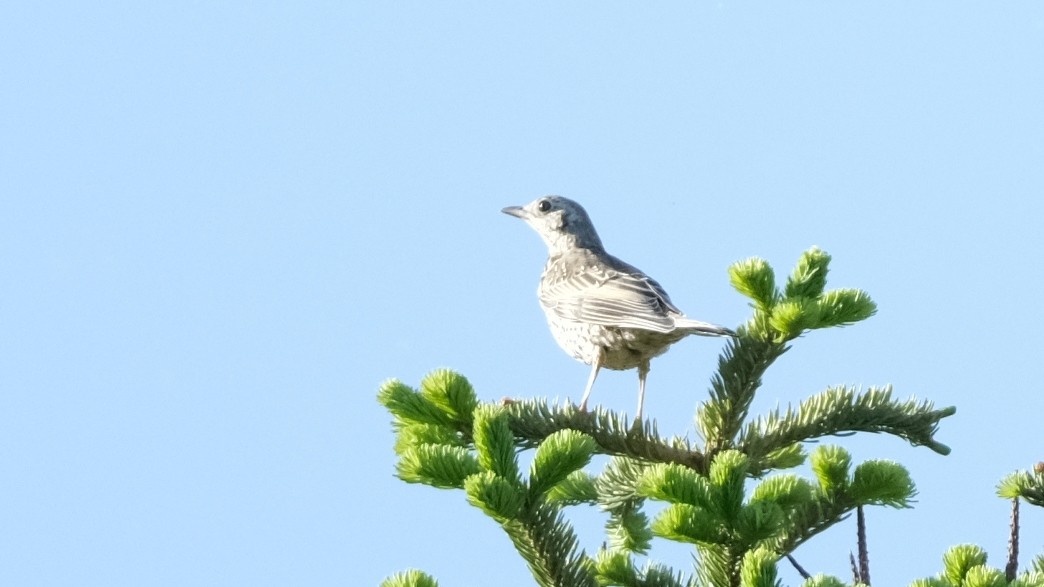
[[620, 296]]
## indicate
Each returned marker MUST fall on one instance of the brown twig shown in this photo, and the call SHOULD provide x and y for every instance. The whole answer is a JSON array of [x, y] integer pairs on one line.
[[864, 555], [1012, 567], [801, 570]]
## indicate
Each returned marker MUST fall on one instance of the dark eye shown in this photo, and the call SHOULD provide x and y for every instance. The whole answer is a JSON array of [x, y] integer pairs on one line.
[[544, 205]]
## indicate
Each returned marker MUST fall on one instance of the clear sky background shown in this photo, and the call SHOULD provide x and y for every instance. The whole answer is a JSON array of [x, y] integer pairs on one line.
[[222, 226]]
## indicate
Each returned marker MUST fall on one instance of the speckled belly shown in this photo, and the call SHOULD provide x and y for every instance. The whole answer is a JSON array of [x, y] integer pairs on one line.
[[621, 348]]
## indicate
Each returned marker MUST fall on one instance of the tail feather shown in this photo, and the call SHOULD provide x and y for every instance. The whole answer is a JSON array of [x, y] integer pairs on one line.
[[702, 328]]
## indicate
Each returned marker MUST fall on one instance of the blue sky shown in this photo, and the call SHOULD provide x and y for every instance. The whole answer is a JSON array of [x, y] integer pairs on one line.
[[224, 225]]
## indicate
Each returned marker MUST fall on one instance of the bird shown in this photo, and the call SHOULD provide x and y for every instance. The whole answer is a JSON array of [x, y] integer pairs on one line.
[[602, 311]]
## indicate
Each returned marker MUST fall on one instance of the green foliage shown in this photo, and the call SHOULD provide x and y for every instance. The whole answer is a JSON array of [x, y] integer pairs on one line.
[[561, 454], [823, 581], [1028, 485], [578, 487], [451, 392], [494, 441], [409, 406], [674, 483], [803, 304], [613, 567], [809, 276], [410, 578], [628, 529], [785, 457], [882, 483], [724, 494], [965, 566], [789, 491], [497, 497], [842, 410], [841, 307], [831, 465], [758, 569], [959, 560], [755, 279], [439, 466]]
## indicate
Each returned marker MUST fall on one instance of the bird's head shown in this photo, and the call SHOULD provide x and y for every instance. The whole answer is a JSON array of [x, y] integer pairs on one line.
[[561, 222]]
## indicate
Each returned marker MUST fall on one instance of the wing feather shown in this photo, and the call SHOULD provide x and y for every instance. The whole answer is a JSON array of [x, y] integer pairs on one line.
[[621, 297]]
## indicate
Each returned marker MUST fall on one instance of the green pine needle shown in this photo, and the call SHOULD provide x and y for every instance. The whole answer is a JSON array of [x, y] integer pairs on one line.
[[1029, 486], [561, 453], [676, 484], [843, 410], [494, 495], [409, 406], [881, 482], [960, 559], [410, 578], [758, 521], [759, 569], [451, 392], [983, 576], [614, 567], [628, 530], [413, 434], [578, 487], [788, 491], [437, 465], [494, 441], [686, 523], [809, 277], [822, 580], [831, 465], [754, 278], [841, 307], [728, 474]]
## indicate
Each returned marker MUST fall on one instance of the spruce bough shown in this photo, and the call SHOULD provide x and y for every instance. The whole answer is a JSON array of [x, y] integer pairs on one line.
[[727, 496]]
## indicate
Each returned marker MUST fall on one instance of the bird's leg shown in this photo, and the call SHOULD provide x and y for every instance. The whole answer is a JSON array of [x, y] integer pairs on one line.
[[643, 370], [595, 366]]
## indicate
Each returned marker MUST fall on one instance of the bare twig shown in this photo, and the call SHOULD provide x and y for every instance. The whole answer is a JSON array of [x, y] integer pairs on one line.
[[864, 555], [1012, 567], [801, 570]]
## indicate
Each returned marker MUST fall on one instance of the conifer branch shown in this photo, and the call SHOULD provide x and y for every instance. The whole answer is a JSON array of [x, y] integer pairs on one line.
[[550, 547], [534, 420], [841, 410], [1012, 568], [740, 368]]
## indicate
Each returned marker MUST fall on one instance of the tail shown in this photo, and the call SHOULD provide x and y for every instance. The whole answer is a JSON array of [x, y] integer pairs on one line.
[[702, 328]]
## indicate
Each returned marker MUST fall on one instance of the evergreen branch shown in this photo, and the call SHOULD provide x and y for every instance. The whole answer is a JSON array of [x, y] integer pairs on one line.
[[560, 455], [809, 276], [550, 547], [440, 466], [534, 420], [812, 510], [578, 487], [755, 279], [840, 410], [864, 551], [619, 483], [879, 482], [1012, 568], [809, 519], [628, 528], [494, 441], [618, 489], [740, 367], [410, 578], [617, 568], [1029, 486], [719, 565]]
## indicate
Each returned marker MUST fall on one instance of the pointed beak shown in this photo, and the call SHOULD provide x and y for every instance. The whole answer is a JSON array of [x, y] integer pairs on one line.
[[516, 211]]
